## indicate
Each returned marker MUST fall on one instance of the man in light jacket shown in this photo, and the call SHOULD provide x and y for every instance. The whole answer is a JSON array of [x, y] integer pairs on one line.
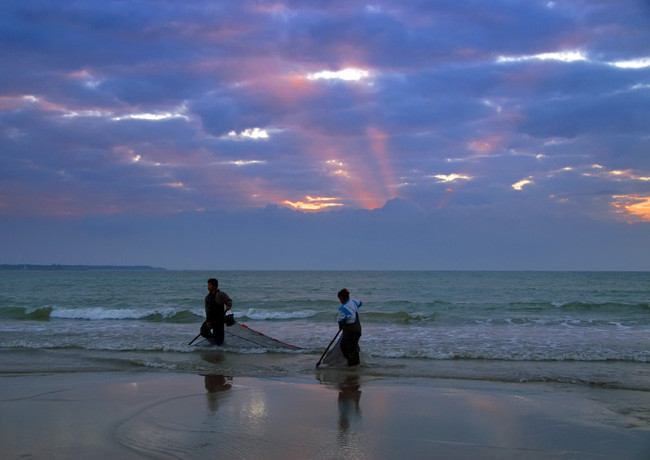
[[350, 325]]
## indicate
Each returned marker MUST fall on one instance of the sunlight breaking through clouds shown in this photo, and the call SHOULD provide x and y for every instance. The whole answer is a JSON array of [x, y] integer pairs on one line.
[[570, 56], [635, 207], [615, 174], [492, 105], [86, 113], [349, 74], [248, 134], [641, 63], [451, 177], [152, 116], [242, 162], [313, 203], [88, 79], [628, 175], [561, 56], [338, 168], [178, 184], [521, 184]]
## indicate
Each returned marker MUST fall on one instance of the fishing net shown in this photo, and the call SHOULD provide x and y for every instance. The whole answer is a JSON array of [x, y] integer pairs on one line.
[[241, 336], [334, 357]]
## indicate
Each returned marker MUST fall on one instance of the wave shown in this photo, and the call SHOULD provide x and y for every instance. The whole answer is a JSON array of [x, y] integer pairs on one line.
[[399, 317], [262, 315], [544, 314], [578, 306], [175, 315], [509, 356], [98, 313], [36, 314]]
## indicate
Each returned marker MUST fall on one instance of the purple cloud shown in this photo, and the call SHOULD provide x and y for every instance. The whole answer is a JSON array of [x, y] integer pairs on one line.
[[149, 109]]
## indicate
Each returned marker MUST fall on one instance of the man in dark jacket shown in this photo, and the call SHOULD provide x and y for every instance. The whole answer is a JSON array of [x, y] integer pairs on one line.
[[217, 303]]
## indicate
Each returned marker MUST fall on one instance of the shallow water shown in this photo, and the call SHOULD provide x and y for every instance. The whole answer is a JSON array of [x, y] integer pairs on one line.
[[576, 327]]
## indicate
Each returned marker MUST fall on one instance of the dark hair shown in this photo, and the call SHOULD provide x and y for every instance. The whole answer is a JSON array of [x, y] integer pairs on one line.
[[214, 282], [344, 294]]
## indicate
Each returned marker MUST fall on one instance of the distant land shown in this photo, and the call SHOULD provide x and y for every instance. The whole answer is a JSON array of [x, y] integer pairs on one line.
[[77, 267]]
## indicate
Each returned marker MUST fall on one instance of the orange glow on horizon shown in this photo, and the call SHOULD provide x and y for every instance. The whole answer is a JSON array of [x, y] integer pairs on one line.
[[635, 206], [313, 204], [320, 198]]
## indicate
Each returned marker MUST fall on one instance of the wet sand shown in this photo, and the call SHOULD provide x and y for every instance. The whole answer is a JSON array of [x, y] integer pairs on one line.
[[334, 414]]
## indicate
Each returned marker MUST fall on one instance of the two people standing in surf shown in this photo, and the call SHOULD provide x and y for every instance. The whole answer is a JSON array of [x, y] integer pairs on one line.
[[217, 303]]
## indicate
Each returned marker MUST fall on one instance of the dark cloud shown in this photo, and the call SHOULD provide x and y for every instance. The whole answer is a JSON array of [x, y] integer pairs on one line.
[[618, 113], [462, 238]]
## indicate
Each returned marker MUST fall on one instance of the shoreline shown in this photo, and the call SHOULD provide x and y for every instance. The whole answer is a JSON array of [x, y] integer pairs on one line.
[[334, 413], [613, 375]]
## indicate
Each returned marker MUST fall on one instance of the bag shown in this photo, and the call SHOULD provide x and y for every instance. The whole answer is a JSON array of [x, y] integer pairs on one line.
[[205, 331], [229, 319]]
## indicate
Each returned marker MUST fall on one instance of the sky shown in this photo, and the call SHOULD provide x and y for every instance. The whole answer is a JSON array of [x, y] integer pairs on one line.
[[424, 135]]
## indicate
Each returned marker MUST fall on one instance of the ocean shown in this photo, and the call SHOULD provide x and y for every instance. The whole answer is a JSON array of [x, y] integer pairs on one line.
[[582, 328]]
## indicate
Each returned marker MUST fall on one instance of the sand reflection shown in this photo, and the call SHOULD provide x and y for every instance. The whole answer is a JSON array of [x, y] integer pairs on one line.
[[213, 356], [349, 426], [215, 385], [348, 402]]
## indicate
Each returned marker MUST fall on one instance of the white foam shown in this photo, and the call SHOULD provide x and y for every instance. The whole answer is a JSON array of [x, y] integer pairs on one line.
[[256, 314], [99, 313]]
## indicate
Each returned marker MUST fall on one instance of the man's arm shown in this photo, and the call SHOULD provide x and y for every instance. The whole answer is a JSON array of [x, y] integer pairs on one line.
[[227, 301], [343, 315]]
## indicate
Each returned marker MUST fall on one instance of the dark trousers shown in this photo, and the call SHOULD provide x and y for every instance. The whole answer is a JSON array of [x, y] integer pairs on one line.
[[350, 346], [215, 333]]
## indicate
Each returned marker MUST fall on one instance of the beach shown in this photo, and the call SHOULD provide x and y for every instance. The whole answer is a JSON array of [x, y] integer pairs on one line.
[[462, 365], [336, 413]]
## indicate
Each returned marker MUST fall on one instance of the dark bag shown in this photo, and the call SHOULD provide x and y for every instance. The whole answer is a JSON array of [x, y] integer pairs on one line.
[[229, 319], [205, 331]]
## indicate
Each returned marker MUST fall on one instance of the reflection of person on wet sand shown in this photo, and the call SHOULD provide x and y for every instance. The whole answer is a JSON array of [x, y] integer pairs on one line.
[[349, 397], [213, 356], [216, 384]]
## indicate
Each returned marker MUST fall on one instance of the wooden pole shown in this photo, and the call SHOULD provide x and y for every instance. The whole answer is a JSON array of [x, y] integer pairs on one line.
[[328, 347]]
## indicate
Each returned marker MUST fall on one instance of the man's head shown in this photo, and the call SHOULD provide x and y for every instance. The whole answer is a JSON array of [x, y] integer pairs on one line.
[[213, 284], [344, 295]]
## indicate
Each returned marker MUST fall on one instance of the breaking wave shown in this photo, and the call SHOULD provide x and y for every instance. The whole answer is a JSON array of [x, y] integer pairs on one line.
[[99, 313]]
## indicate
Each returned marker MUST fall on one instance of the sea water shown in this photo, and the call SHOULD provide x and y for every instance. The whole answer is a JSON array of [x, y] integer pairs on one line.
[[574, 327]]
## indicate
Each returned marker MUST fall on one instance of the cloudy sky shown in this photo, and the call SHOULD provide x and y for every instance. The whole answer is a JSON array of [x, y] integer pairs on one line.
[[437, 134]]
